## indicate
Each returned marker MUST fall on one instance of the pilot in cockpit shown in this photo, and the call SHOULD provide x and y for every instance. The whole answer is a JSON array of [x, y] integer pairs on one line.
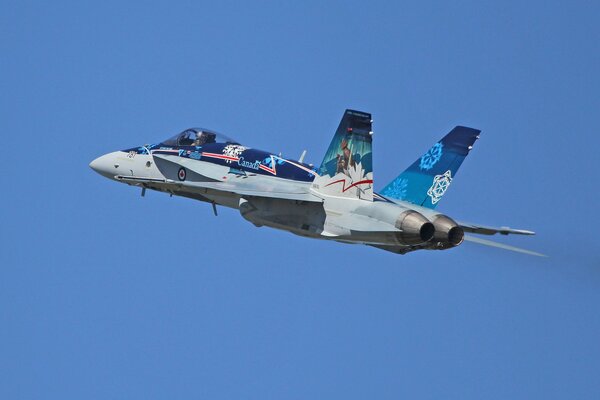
[[204, 138]]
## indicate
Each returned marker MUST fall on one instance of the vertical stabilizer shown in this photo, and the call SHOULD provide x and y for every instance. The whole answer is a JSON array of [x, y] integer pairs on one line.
[[427, 179], [347, 169]]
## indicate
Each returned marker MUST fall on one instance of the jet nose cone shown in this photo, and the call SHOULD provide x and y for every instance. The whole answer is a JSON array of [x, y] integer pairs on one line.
[[95, 164], [105, 165]]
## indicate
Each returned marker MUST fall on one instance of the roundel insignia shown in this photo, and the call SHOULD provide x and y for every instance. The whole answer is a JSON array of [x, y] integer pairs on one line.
[[181, 174]]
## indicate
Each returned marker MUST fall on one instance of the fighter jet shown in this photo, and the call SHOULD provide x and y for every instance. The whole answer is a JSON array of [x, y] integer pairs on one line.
[[334, 201]]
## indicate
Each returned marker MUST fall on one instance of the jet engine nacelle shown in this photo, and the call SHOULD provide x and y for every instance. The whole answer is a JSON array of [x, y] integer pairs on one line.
[[413, 227], [447, 232]]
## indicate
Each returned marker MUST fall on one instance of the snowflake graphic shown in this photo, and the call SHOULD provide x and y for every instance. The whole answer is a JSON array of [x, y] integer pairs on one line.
[[233, 150], [433, 155], [397, 189], [439, 186]]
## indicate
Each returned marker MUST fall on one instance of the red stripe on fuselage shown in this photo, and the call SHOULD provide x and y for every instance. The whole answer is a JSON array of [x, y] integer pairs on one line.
[[220, 156], [269, 170], [344, 188]]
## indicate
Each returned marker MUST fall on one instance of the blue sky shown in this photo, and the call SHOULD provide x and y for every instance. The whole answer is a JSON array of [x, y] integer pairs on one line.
[[104, 294]]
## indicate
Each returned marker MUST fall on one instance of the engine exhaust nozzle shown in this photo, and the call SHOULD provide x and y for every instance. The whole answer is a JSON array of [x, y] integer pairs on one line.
[[414, 228], [447, 232]]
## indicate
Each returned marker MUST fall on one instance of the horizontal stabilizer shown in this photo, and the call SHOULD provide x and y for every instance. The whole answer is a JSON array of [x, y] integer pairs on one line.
[[489, 230]]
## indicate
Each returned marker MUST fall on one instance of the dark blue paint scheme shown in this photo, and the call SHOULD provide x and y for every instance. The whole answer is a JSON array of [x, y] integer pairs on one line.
[[250, 161]]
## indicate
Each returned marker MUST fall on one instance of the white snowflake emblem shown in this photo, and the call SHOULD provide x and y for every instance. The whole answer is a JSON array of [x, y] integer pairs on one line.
[[439, 186], [233, 150]]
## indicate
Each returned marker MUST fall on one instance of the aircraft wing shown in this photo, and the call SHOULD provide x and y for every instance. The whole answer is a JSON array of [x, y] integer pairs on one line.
[[489, 230]]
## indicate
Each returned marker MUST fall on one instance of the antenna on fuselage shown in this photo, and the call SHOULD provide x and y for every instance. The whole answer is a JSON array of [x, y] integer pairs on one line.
[[301, 159]]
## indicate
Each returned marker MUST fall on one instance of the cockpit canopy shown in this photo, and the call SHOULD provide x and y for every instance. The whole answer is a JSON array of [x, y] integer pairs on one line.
[[198, 137]]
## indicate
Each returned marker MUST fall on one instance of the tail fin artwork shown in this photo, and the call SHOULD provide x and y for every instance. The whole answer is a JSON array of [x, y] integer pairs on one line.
[[427, 179], [347, 168]]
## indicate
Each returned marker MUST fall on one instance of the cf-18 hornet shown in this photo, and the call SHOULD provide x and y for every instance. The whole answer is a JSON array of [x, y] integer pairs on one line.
[[334, 201]]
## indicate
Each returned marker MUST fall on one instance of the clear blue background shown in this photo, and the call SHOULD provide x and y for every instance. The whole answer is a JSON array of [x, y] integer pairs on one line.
[[104, 294]]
